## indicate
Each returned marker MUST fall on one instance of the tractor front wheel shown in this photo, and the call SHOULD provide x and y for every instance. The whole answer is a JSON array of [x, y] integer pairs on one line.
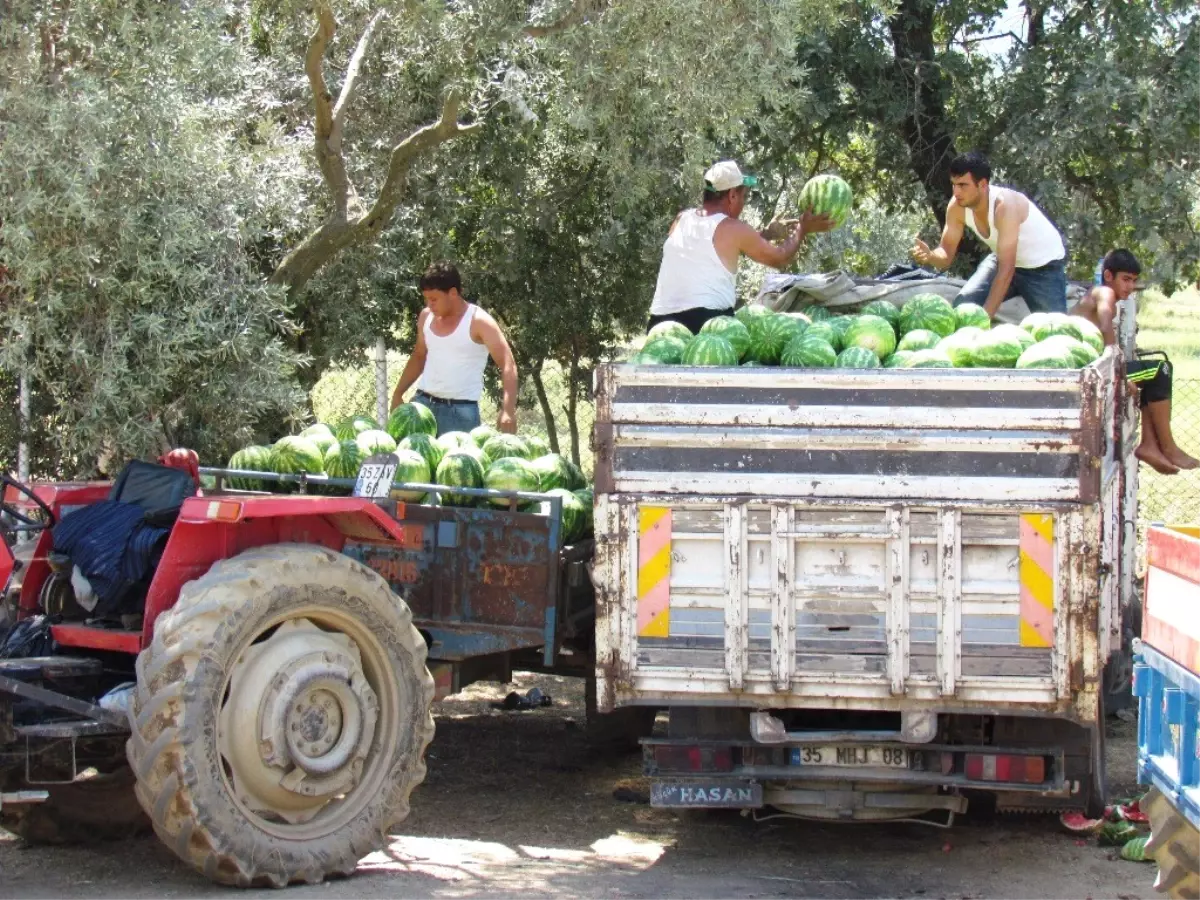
[[281, 717]]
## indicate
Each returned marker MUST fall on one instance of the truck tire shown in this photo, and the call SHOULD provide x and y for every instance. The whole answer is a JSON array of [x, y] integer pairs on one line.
[[1175, 845], [103, 808], [281, 717]]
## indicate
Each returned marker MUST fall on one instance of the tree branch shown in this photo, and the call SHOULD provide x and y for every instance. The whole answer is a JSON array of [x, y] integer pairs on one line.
[[580, 11], [314, 66], [339, 110]]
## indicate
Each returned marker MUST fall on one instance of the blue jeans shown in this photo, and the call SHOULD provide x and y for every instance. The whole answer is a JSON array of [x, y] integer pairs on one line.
[[1044, 288], [451, 415]]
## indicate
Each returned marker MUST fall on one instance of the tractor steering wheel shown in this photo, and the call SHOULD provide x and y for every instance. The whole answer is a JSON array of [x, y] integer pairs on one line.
[[24, 520]]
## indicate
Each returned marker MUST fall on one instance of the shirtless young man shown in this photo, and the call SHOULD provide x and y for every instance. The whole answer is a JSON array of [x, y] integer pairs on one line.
[[1151, 376]]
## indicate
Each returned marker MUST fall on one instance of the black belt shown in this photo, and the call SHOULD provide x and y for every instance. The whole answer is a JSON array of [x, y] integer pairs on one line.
[[444, 401]]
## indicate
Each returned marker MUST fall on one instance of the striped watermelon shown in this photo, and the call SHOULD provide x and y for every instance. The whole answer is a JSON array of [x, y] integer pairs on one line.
[[808, 352], [996, 349], [320, 434], [919, 339], [873, 333], [297, 455], [503, 445], [481, 434], [856, 358], [510, 473], [885, 309], [537, 445], [410, 418], [411, 468], [348, 429], [1044, 325], [1015, 333], [929, 312], [1091, 334], [731, 329], [929, 359], [898, 360], [665, 349], [972, 314], [459, 469], [669, 329], [1046, 355], [1082, 353], [343, 460], [458, 441], [427, 446], [770, 334], [751, 311], [254, 458], [710, 350], [816, 313], [960, 346], [827, 194], [370, 442], [825, 331]]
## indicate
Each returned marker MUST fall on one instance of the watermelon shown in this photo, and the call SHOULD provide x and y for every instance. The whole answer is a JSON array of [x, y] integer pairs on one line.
[[587, 497], [481, 434], [972, 314], [751, 311], [729, 328], [1015, 333], [410, 418], [1046, 325], [320, 434], [997, 349], [1092, 336], [885, 309], [808, 352], [510, 473], [856, 358], [556, 471], [873, 333], [666, 350], [929, 312], [504, 445], [824, 331], [537, 445], [828, 195], [960, 346], [1047, 356], [427, 446], [459, 469], [375, 441], [412, 468], [919, 339], [898, 360], [929, 359], [453, 441], [669, 329], [754, 364], [840, 325], [815, 313], [799, 317], [770, 334], [343, 460], [296, 455], [1082, 353], [348, 429], [710, 350], [573, 518], [642, 359], [254, 458]]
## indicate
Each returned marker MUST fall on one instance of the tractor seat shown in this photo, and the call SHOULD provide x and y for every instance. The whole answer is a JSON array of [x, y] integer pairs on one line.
[[158, 490]]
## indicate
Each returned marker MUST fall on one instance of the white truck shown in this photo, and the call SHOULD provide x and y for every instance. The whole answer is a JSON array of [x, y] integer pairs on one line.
[[867, 594]]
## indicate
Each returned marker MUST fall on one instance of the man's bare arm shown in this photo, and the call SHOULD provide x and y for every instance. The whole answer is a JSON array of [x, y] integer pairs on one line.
[[759, 249], [415, 365], [1008, 228], [943, 255], [485, 329], [1105, 302]]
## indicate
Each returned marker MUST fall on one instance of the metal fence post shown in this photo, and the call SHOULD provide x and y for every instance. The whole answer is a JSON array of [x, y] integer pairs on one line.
[[381, 381]]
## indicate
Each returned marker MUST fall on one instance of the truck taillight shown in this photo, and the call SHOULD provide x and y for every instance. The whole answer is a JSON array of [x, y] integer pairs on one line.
[[693, 759], [1008, 768]]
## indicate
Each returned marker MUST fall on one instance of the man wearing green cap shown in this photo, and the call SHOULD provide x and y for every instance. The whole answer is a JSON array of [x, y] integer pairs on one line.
[[703, 248]]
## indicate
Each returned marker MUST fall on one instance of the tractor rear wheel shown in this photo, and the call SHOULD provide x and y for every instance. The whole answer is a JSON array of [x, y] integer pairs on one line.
[[1175, 846], [281, 717]]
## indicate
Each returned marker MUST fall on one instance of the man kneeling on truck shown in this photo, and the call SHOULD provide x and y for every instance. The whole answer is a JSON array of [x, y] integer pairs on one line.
[[701, 254], [1151, 376]]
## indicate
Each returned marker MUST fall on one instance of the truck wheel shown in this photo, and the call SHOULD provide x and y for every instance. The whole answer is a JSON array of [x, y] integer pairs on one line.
[[102, 808], [1175, 845], [281, 717]]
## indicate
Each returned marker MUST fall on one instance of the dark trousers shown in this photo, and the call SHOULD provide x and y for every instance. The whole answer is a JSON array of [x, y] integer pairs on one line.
[[693, 318]]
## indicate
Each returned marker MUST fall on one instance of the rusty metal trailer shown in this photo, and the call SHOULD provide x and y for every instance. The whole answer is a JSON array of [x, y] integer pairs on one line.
[[863, 592]]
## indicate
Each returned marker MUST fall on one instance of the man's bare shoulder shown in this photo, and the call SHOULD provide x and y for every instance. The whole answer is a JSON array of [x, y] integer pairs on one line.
[[954, 211], [1011, 203]]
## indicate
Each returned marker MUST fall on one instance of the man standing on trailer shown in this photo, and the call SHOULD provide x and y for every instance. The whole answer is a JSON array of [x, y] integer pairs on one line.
[[700, 256], [1028, 255], [454, 340]]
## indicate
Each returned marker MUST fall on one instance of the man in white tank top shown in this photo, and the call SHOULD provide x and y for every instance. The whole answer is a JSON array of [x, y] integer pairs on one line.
[[454, 340], [1028, 257], [700, 256]]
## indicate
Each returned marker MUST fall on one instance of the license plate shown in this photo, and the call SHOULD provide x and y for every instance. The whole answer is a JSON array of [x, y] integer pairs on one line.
[[851, 756], [727, 793], [376, 475]]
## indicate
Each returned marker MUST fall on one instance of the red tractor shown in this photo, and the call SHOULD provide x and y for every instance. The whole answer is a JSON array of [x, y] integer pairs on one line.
[[259, 667]]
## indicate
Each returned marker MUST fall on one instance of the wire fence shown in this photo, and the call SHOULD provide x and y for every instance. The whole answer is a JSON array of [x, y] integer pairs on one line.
[[1175, 499]]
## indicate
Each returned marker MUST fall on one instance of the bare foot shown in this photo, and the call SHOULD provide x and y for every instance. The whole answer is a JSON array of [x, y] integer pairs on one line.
[[1177, 457], [1156, 461]]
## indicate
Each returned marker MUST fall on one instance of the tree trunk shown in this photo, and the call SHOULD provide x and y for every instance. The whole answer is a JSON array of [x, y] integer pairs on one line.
[[925, 127], [573, 407], [535, 373]]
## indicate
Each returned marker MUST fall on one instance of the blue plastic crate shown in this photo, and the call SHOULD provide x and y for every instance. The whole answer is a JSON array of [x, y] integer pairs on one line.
[[1168, 729]]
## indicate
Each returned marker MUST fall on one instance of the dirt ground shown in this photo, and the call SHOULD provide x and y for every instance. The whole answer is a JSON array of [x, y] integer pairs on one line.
[[516, 805]]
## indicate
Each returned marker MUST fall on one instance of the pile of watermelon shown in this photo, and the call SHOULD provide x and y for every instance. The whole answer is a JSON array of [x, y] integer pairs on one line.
[[482, 458], [927, 332]]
